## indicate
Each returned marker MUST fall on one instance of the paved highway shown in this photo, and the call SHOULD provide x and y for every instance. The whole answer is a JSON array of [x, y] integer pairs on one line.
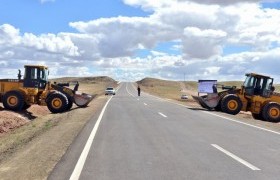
[[150, 138]]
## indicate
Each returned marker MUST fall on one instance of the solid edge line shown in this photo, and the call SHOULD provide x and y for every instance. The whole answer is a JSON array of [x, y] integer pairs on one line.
[[254, 168], [264, 129], [80, 164], [223, 117], [162, 114]]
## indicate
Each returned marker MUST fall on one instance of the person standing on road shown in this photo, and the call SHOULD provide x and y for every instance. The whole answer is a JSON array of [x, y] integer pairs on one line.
[[139, 90]]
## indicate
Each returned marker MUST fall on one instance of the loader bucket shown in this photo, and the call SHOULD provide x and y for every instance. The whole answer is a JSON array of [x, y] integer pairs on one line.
[[83, 99], [208, 101]]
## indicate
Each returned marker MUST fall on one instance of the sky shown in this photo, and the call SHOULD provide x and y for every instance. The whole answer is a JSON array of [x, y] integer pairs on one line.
[[132, 39]]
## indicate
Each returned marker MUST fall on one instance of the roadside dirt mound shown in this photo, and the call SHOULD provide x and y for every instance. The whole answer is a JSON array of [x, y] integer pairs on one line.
[[86, 79], [157, 82], [10, 120]]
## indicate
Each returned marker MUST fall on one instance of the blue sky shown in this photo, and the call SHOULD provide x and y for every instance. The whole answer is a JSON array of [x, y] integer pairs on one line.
[[132, 39], [54, 16]]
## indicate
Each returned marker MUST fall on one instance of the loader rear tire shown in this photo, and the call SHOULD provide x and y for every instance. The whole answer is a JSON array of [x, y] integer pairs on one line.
[[271, 112], [57, 102], [231, 104], [13, 100]]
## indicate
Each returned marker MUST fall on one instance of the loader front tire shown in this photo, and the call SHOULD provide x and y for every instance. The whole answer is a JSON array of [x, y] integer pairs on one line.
[[57, 102], [26, 106], [271, 112], [70, 105], [13, 100], [231, 104]]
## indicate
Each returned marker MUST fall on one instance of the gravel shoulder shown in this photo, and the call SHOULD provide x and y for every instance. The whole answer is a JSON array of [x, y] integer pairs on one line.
[[35, 159], [33, 141]]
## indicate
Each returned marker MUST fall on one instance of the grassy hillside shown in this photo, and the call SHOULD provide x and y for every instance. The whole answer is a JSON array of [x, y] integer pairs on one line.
[[85, 79], [277, 87], [163, 88], [90, 85], [174, 89]]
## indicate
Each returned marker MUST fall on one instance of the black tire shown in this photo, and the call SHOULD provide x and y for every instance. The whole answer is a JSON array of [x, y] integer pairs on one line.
[[258, 116], [70, 102], [13, 100], [26, 106], [57, 102], [231, 104], [218, 107], [70, 105], [271, 112]]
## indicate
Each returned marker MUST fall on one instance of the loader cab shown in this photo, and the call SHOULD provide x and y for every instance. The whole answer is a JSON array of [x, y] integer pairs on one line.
[[258, 85], [35, 77]]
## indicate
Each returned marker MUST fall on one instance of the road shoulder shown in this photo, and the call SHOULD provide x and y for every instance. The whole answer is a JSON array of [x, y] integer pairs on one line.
[[37, 158]]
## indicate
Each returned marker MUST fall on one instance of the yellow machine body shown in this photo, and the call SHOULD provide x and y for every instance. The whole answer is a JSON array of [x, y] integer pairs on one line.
[[34, 88]]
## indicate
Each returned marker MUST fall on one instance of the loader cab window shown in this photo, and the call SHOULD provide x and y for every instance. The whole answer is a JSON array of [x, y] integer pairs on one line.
[[249, 85], [268, 87], [35, 77], [258, 86]]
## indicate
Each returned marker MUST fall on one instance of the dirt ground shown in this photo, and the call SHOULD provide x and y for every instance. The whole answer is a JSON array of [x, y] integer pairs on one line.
[[36, 158], [10, 120], [33, 141]]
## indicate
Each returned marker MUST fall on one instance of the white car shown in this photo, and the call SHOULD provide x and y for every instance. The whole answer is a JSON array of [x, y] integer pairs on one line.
[[110, 91], [184, 96]]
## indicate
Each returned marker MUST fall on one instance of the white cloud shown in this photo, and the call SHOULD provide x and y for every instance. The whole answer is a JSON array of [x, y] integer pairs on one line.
[[108, 46], [45, 1]]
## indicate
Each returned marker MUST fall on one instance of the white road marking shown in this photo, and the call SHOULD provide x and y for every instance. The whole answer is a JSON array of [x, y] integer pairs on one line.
[[162, 115], [254, 168], [240, 122], [128, 91], [80, 164], [233, 120], [138, 99], [119, 86], [145, 104]]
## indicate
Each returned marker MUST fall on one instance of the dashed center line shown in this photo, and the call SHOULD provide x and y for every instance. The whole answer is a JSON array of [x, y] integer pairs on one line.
[[162, 115], [254, 168], [145, 104]]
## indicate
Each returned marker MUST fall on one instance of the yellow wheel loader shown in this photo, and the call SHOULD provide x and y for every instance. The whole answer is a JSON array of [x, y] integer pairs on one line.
[[256, 95], [19, 94]]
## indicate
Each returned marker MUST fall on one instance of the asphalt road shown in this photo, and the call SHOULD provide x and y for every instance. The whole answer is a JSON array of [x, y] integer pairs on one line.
[[150, 138]]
